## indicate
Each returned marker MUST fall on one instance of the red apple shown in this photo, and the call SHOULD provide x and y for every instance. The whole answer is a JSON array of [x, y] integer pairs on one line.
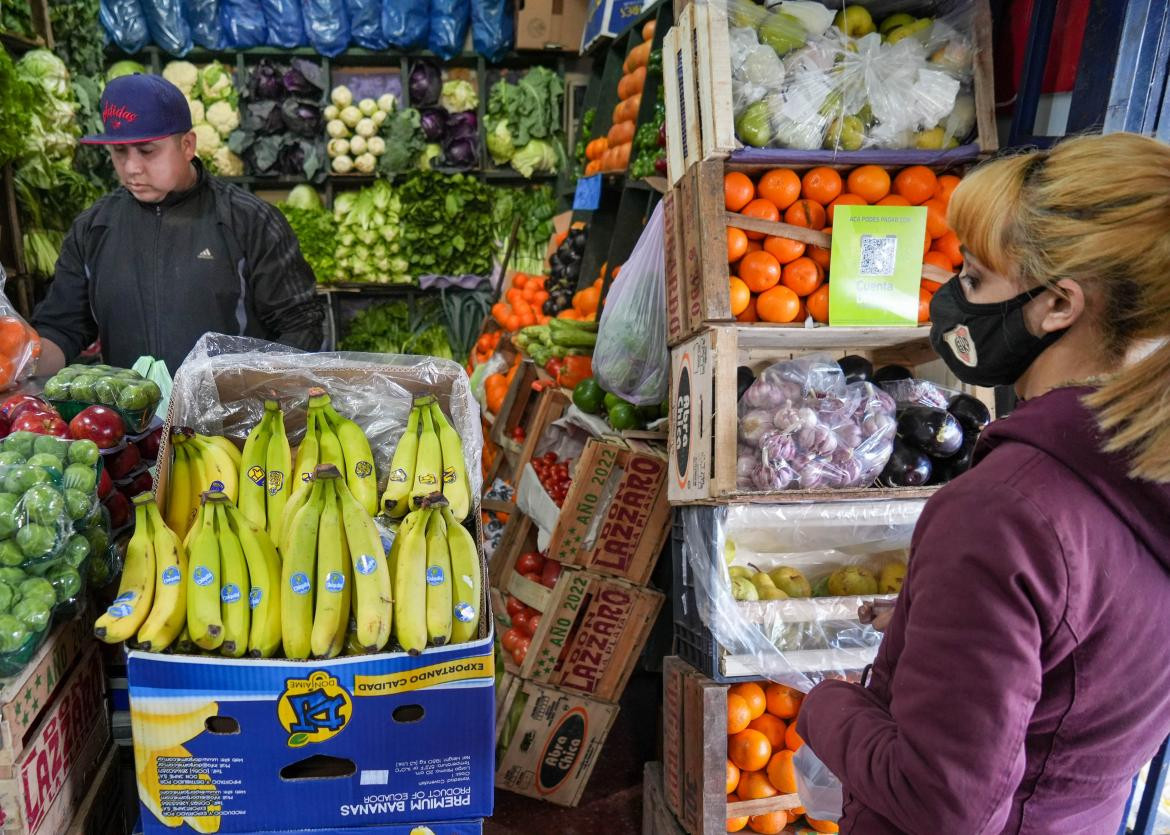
[[99, 424], [105, 484], [148, 446], [5, 426], [142, 483], [18, 403], [119, 508], [121, 464], [42, 423]]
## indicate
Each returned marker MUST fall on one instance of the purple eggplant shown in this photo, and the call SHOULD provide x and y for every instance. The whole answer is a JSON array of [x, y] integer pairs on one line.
[[970, 412], [907, 467], [934, 431]]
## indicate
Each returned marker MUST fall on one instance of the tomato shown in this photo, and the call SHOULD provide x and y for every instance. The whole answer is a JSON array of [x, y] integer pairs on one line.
[[518, 434], [562, 471], [549, 458], [532, 613], [534, 576], [515, 607], [519, 621], [550, 574], [531, 625], [510, 638], [518, 655], [529, 561]]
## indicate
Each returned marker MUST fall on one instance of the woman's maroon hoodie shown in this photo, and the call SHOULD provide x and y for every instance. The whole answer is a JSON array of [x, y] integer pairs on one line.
[[1024, 679]]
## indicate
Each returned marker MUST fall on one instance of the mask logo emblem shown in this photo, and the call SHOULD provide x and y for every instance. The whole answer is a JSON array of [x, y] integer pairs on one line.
[[962, 346]]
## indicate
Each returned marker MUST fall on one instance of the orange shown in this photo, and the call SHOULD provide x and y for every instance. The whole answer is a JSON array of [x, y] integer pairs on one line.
[[783, 702], [778, 305], [783, 250], [735, 824], [759, 271], [771, 727], [946, 186], [754, 785], [818, 308], [948, 245], [13, 337], [845, 200], [753, 246], [737, 244], [771, 823], [926, 242], [821, 184], [821, 254], [749, 750], [792, 740], [802, 312], [782, 773], [749, 313], [932, 286], [893, 200], [753, 694], [936, 218], [738, 715], [764, 210], [937, 259], [821, 826], [916, 183], [7, 371], [741, 297], [870, 181], [781, 186], [802, 276], [924, 297], [806, 213], [732, 776], [738, 191]]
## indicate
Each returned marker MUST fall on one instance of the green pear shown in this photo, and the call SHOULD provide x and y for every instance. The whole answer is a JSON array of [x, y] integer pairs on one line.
[[783, 33], [846, 134], [771, 593], [918, 28], [729, 552], [855, 21], [929, 140], [742, 589], [762, 581], [790, 581], [852, 580], [894, 21], [738, 571], [891, 577]]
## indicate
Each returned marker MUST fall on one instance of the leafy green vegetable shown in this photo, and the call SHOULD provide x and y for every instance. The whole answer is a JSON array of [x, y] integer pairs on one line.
[[447, 224], [18, 97], [316, 230], [518, 114], [369, 233], [535, 207], [16, 17], [404, 142], [77, 35], [392, 328]]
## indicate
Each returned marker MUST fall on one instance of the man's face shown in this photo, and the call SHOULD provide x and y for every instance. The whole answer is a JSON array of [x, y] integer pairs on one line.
[[152, 170]]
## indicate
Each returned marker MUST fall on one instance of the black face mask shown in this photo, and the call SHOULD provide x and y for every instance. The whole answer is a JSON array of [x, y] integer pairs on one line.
[[985, 344]]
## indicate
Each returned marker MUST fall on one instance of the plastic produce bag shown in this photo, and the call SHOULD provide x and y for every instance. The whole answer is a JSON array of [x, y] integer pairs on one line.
[[631, 359], [365, 24], [448, 31], [168, 28], [493, 30], [202, 17], [327, 25], [405, 23], [802, 427], [243, 23], [283, 20], [125, 23], [819, 789], [18, 360]]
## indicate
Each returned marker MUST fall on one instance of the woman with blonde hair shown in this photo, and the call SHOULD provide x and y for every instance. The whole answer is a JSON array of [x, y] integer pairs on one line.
[[1024, 677]]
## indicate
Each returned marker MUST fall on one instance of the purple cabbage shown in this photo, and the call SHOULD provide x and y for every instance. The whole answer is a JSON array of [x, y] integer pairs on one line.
[[426, 84], [460, 152], [303, 78], [301, 117], [434, 123], [461, 125], [266, 81]]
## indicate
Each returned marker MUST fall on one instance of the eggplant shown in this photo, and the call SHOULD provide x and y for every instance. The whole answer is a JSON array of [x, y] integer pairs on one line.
[[857, 369], [890, 373], [946, 469], [743, 381], [573, 271], [907, 467], [556, 259], [577, 240], [934, 431], [549, 308], [970, 412]]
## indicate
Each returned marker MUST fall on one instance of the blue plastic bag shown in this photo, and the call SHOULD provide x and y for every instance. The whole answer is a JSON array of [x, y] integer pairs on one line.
[[285, 27], [327, 25], [168, 28], [203, 18], [449, 22], [405, 23], [243, 23], [125, 23], [365, 24], [493, 30]]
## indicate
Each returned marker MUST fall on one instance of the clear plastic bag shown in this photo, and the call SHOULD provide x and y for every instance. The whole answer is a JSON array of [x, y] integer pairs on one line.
[[801, 426], [631, 359], [493, 30], [243, 23], [800, 81], [365, 25], [286, 27], [202, 17], [24, 344], [327, 25], [819, 789], [168, 28], [855, 548], [448, 31], [125, 23], [405, 23]]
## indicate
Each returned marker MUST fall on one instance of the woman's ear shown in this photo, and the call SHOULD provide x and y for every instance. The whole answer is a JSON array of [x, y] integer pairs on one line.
[[1064, 307]]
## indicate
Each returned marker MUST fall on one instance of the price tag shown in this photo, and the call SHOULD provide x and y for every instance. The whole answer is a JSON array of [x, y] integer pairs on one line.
[[588, 195], [877, 265]]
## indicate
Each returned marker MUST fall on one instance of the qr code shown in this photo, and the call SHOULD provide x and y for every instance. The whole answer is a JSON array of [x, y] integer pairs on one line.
[[878, 254]]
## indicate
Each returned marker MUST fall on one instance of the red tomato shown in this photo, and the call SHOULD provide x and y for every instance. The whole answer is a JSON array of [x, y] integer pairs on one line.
[[549, 458], [534, 576], [550, 574], [529, 561], [515, 607], [531, 625], [532, 613], [509, 639], [519, 621], [518, 655]]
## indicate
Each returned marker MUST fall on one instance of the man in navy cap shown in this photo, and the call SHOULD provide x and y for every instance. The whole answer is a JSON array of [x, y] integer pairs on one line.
[[173, 254]]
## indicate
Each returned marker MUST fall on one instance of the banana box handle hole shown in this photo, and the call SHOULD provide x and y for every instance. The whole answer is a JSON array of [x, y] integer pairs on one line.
[[221, 725], [319, 767], [405, 714]]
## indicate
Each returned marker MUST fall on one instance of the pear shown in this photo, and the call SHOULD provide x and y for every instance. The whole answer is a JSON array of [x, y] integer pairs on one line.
[[771, 593], [891, 577], [790, 581], [737, 571], [729, 551], [762, 581], [894, 21], [845, 134], [852, 580], [918, 29], [933, 140], [855, 21], [742, 589]]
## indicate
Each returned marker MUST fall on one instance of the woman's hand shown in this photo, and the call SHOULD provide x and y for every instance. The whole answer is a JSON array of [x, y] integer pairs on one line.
[[878, 613]]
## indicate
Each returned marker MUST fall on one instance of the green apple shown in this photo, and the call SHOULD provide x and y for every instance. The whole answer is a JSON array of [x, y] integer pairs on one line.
[[855, 21]]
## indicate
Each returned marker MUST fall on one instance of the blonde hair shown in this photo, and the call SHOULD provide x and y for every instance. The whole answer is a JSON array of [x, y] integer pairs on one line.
[[1095, 209]]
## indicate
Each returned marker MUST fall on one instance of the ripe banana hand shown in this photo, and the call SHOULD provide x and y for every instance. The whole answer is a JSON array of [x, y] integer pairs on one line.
[[438, 581], [254, 471], [264, 575], [235, 588], [456, 486], [360, 475], [400, 481], [466, 580], [328, 617], [428, 465], [227, 446], [297, 573], [180, 504], [279, 471], [168, 613], [373, 606], [204, 618], [307, 453], [136, 589], [218, 466], [410, 583]]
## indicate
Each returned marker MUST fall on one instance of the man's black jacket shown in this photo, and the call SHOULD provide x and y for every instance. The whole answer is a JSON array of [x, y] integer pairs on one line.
[[151, 279]]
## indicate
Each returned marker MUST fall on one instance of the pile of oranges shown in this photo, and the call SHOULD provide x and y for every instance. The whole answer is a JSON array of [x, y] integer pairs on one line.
[[523, 303], [776, 279], [761, 742]]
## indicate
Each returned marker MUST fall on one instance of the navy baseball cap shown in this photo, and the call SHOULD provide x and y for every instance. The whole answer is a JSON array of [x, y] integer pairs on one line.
[[141, 108]]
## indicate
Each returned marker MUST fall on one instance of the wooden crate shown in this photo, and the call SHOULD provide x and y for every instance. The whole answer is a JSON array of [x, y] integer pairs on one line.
[[102, 809], [705, 424], [656, 816], [548, 406], [516, 408], [697, 272], [700, 119]]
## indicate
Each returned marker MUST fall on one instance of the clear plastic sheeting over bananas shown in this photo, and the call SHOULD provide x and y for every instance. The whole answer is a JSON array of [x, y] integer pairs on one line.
[[779, 586]]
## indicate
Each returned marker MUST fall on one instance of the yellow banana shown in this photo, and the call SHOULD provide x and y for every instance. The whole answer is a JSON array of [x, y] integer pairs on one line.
[[410, 583], [428, 465], [168, 613], [328, 617], [235, 588], [179, 499], [227, 446], [466, 580], [279, 469], [400, 481], [218, 466], [438, 581], [204, 618], [183, 644], [296, 577], [200, 481], [136, 589], [360, 475], [339, 639], [373, 605], [307, 452], [195, 526], [456, 487], [330, 446], [264, 576], [296, 501], [254, 471]]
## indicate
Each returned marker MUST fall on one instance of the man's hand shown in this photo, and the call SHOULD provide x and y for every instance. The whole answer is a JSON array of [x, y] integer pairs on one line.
[[52, 358], [878, 613]]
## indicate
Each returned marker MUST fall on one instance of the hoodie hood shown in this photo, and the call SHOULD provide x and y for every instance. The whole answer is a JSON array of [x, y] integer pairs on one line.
[[1063, 427]]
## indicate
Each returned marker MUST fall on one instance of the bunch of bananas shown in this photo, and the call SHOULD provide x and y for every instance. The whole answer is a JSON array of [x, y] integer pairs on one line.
[[331, 440], [201, 464], [264, 471], [427, 466], [437, 576]]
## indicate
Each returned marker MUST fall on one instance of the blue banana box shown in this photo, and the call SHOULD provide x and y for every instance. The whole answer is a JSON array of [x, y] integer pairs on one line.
[[608, 19], [468, 827], [273, 746]]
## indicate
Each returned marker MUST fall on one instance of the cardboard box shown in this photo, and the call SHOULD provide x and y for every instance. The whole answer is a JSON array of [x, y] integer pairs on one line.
[[554, 740], [41, 790], [550, 24], [463, 827], [608, 19], [273, 745]]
